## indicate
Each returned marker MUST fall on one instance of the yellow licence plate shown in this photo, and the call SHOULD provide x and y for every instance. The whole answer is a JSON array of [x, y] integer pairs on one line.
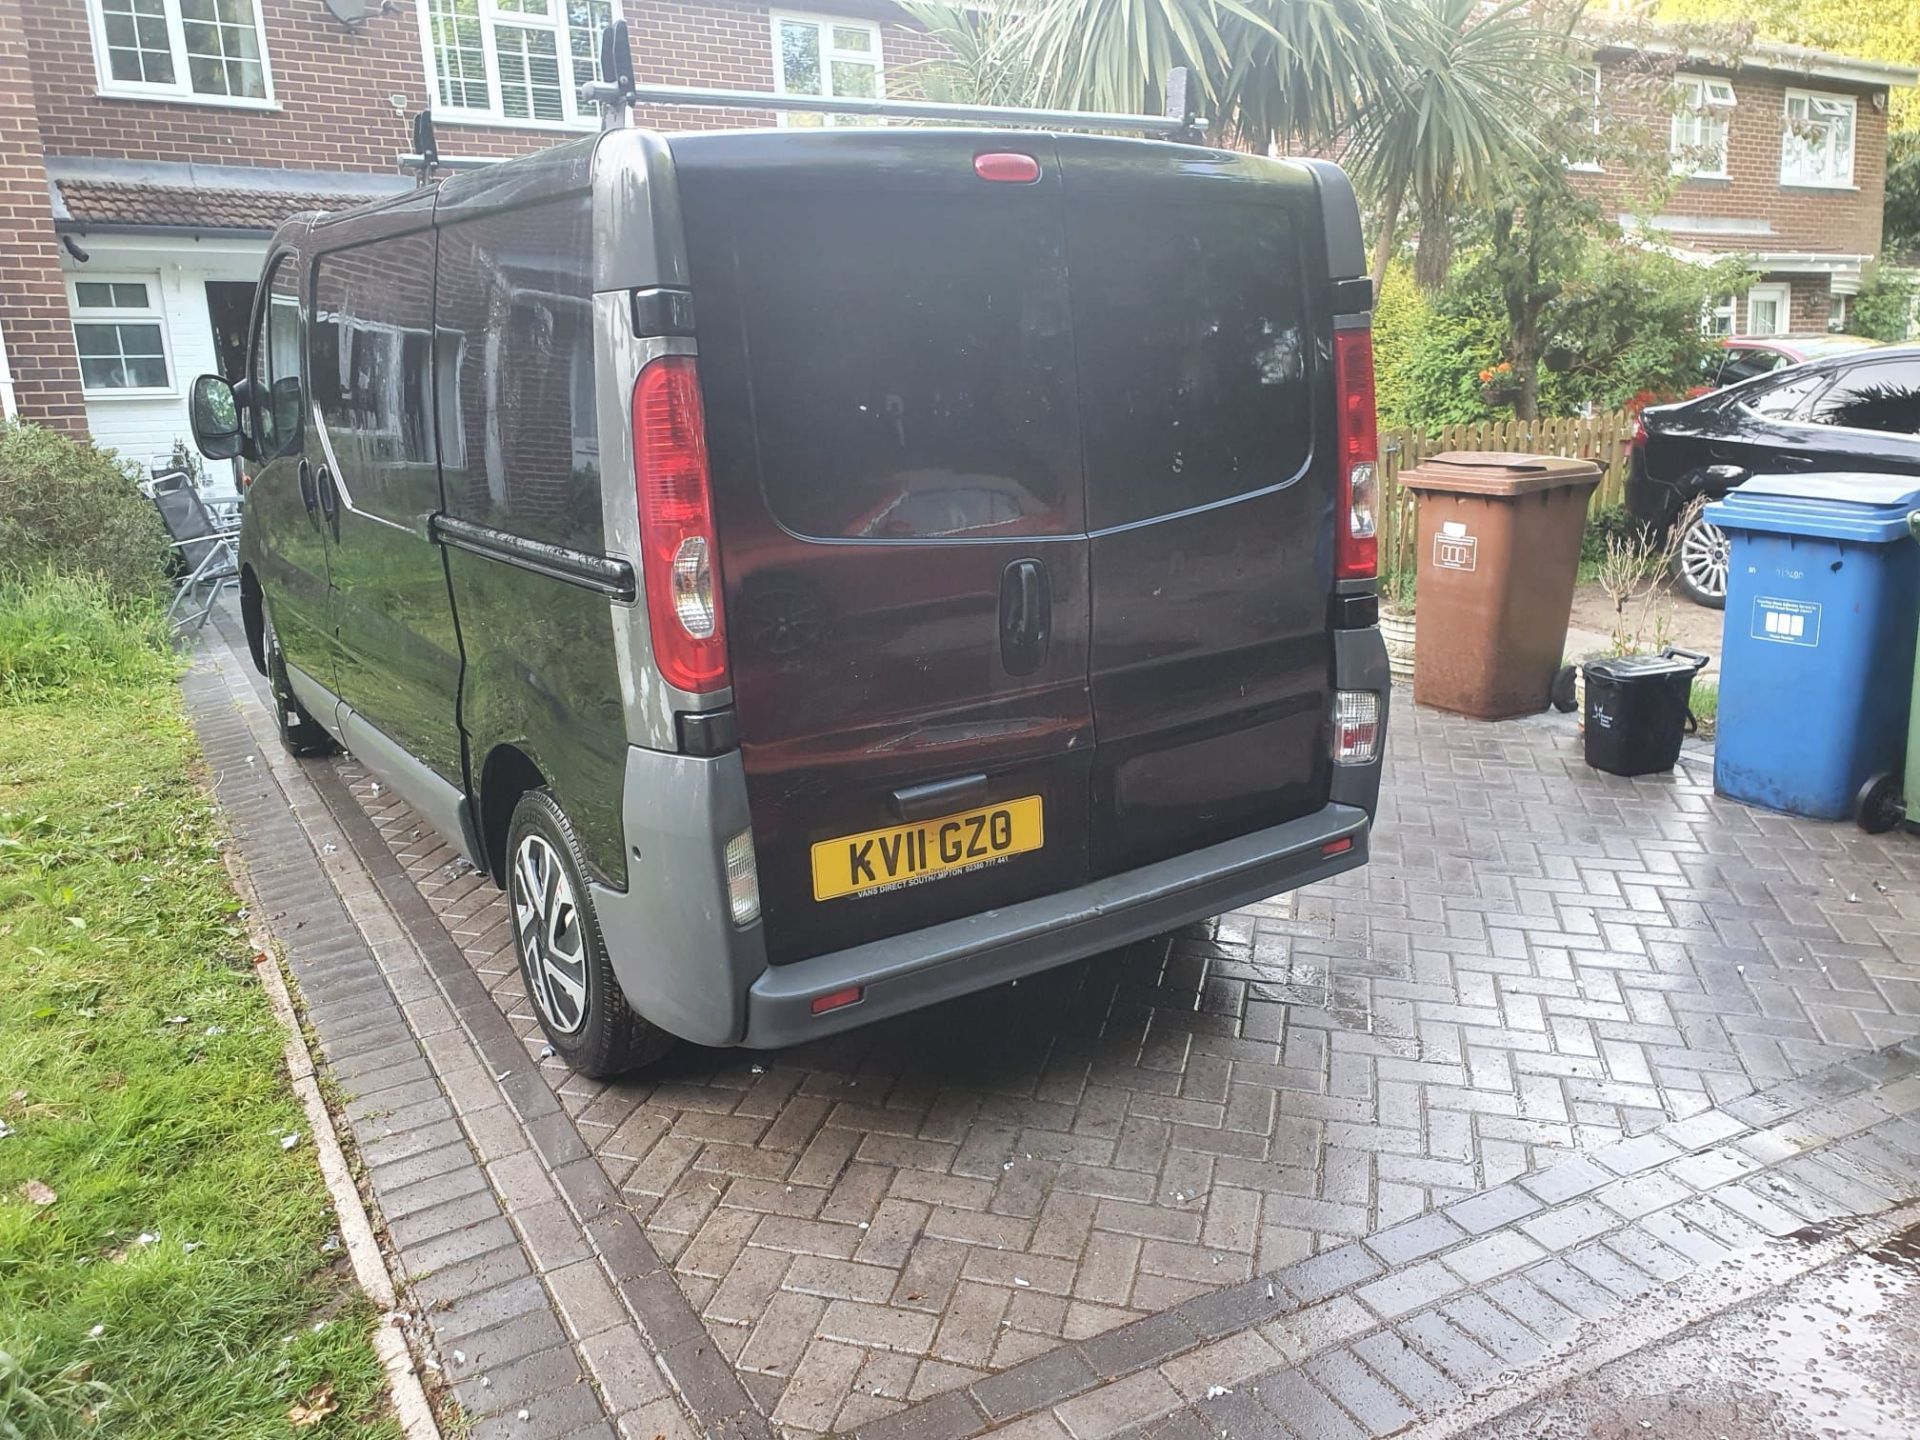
[[903, 854]]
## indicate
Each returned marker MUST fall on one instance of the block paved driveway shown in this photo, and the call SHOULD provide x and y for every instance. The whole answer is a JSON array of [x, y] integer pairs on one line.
[[1540, 960]]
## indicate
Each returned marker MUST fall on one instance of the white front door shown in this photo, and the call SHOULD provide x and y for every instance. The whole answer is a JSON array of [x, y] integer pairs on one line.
[[1768, 309]]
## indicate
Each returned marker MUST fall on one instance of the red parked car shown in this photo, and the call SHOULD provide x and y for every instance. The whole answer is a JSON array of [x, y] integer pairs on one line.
[[1742, 357]]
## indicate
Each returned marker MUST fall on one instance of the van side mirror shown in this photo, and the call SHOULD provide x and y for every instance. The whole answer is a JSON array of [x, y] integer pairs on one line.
[[216, 418]]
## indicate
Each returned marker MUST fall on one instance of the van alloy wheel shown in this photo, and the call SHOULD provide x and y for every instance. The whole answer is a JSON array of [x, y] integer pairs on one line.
[[1703, 563], [546, 919]]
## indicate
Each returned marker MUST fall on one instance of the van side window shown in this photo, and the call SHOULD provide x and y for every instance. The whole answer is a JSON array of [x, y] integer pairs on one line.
[[910, 366], [1191, 330], [372, 369], [276, 364], [518, 395]]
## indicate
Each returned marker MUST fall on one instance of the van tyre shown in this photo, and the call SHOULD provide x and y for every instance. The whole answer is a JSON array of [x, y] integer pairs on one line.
[[563, 957], [299, 731]]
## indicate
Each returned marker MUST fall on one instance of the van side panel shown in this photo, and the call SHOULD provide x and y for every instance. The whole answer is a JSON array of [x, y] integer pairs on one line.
[[370, 351], [517, 383]]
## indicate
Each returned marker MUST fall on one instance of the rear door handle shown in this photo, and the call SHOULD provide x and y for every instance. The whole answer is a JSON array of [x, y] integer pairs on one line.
[[940, 797], [1026, 616], [307, 496]]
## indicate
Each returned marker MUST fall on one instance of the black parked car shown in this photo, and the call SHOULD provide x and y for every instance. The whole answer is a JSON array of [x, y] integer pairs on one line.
[[1850, 412]]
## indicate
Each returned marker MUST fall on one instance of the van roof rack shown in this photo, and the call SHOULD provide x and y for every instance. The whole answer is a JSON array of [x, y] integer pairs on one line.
[[615, 92]]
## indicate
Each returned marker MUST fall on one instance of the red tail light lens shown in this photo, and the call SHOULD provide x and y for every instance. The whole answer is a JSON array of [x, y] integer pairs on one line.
[[1639, 431], [680, 554], [1356, 547]]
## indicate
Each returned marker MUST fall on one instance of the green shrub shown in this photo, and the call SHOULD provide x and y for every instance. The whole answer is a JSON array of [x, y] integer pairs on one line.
[[73, 508], [1883, 310], [60, 633]]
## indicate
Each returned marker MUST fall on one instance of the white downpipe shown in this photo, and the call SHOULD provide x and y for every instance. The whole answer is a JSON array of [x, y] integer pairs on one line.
[[9, 402]]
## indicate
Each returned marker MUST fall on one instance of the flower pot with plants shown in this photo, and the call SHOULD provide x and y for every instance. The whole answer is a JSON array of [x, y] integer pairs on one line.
[[1498, 385]]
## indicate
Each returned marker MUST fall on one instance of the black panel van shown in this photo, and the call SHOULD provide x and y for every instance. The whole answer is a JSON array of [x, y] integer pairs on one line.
[[822, 572]]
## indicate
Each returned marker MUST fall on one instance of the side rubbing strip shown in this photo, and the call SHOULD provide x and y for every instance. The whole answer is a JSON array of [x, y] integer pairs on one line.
[[576, 567]]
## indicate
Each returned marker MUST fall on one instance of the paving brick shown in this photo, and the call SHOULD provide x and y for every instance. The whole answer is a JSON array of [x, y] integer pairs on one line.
[[1409, 1372], [1119, 1406]]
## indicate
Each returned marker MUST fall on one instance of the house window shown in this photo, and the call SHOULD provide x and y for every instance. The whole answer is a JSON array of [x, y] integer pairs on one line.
[[1723, 318], [1769, 309], [519, 62], [1816, 147], [1586, 116], [819, 55], [1837, 314], [121, 336], [1699, 136], [213, 50]]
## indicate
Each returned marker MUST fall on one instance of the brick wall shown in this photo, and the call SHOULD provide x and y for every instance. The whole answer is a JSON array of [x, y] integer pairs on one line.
[[33, 302], [1801, 219], [333, 86]]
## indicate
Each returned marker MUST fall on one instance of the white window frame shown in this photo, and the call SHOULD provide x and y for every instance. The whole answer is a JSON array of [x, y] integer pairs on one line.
[[573, 117], [1588, 82], [828, 54], [181, 91], [1724, 311], [1707, 100], [1778, 290], [154, 313], [1787, 151], [1837, 306]]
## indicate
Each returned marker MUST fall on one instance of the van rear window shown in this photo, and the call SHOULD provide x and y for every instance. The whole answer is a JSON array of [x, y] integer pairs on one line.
[[1191, 330], [910, 364]]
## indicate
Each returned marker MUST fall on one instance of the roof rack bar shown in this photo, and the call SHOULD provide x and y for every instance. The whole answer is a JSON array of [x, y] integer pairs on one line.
[[414, 160], [997, 115]]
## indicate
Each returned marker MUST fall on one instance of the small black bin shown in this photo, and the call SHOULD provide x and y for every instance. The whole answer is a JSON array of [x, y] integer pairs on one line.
[[1639, 710]]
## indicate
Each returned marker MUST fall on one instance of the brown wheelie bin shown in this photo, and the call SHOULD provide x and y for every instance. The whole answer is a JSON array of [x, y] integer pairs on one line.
[[1499, 553]]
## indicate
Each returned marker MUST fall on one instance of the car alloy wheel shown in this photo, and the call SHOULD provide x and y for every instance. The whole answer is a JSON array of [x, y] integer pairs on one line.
[[547, 925], [1705, 559]]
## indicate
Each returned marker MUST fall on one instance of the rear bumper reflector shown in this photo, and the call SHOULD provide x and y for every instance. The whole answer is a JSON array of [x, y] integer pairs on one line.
[[837, 999]]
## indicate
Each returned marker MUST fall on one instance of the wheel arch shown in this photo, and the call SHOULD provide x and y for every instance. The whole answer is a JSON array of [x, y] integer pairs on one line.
[[507, 773], [253, 616]]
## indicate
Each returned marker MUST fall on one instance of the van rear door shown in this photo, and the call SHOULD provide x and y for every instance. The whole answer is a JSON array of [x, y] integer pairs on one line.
[[1202, 329], [886, 363]]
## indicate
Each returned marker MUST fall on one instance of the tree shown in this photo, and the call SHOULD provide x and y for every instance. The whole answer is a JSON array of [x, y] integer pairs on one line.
[[1456, 114], [1431, 100], [986, 60]]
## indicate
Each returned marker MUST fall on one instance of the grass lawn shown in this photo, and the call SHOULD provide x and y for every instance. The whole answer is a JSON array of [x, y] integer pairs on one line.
[[164, 1261]]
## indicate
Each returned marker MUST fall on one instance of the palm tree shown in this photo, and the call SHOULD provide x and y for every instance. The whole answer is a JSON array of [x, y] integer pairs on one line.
[[1432, 101], [1267, 69], [1466, 106]]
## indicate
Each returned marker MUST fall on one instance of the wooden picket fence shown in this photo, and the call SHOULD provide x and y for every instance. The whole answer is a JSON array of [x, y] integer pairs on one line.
[[1600, 438]]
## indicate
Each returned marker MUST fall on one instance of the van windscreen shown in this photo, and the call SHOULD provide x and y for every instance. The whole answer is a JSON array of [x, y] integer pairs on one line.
[[909, 361]]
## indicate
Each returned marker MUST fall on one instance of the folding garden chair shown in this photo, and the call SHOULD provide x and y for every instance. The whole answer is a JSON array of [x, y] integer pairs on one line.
[[204, 545]]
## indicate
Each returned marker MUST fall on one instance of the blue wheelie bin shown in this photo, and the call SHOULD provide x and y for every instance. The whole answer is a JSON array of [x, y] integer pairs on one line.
[[1818, 652]]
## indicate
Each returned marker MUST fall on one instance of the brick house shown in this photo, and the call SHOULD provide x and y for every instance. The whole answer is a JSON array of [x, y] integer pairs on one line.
[[148, 147], [1778, 155]]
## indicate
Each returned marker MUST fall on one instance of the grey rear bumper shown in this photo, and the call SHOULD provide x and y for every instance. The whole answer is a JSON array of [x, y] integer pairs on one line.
[[927, 966]]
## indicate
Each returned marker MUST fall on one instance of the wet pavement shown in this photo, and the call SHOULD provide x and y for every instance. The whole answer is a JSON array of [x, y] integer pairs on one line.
[[1836, 1353], [1366, 1151]]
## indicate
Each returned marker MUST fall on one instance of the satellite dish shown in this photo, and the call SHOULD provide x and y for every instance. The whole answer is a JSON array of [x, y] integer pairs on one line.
[[355, 13]]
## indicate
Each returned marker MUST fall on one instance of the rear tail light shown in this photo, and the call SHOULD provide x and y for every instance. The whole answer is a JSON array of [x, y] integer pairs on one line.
[[679, 554], [743, 879], [1356, 550], [1639, 432], [1356, 727]]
